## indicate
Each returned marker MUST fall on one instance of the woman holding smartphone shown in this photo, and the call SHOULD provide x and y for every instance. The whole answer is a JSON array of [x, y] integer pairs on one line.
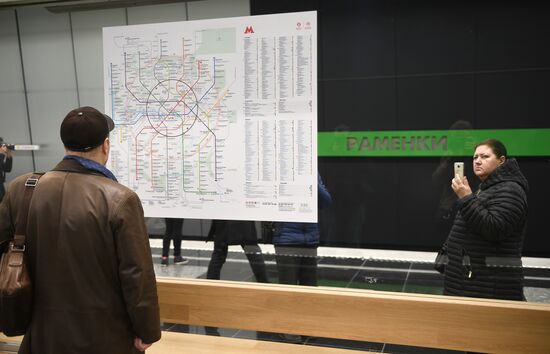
[[485, 244]]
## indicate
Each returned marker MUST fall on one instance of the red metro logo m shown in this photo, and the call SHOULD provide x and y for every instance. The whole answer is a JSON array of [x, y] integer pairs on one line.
[[248, 30]]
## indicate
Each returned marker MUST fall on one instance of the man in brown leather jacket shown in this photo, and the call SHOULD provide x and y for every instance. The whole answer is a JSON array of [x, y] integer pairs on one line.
[[88, 251]]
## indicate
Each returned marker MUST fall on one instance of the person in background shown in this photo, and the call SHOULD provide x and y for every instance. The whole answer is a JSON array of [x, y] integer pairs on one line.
[[485, 244], [6, 162], [87, 249], [235, 232], [173, 232], [447, 203], [296, 246]]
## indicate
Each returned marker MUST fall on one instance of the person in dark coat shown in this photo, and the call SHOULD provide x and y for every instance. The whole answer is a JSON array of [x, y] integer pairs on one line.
[[6, 162], [235, 232], [296, 246], [485, 244], [88, 253], [172, 233]]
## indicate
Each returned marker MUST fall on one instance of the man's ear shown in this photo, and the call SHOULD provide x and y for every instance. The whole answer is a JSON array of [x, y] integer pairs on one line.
[[105, 149], [106, 145], [502, 159]]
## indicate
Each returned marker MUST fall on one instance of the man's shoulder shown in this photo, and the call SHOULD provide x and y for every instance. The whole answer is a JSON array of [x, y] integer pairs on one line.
[[117, 192], [16, 187], [20, 180], [91, 183], [109, 183]]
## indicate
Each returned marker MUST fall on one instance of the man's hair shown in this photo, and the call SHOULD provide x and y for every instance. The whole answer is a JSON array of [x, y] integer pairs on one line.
[[496, 145]]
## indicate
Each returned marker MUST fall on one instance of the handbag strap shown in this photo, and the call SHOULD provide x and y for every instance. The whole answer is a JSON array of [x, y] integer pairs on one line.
[[21, 226]]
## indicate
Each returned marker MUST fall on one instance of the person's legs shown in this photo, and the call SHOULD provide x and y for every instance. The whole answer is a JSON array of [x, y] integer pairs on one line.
[[167, 237], [256, 260], [165, 245], [178, 259], [169, 226], [176, 236], [287, 264], [308, 267], [173, 232], [217, 260], [166, 242]]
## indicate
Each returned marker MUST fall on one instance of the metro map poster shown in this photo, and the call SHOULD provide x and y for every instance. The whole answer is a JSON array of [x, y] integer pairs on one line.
[[216, 119]]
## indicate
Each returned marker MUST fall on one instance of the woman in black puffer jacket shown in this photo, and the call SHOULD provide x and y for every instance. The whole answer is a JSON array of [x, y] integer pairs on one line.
[[485, 243]]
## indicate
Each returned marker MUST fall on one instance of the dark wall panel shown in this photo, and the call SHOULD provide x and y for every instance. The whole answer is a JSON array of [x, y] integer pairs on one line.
[[358, 104], [512, 35], [370, 22], [416, 206], [423, 64], [364, 200], [514, 99], [434, 102], [537, 171], [434, 37]]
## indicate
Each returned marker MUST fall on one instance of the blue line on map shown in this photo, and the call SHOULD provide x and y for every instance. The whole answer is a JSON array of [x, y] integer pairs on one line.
[[213, 83]]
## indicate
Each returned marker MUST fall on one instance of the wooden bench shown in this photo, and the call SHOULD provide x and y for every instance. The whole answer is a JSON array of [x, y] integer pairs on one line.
[[9, 345], [185, 343], [490, 326]]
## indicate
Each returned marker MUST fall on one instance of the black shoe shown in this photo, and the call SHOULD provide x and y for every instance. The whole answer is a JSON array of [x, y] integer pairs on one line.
[[290, 338], [212, 331], [180, 260], [164, 261]]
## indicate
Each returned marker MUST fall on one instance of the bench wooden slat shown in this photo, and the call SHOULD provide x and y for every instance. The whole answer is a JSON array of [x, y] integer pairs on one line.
[[490, 326], [185, 343], [406, 319], [9, 345]]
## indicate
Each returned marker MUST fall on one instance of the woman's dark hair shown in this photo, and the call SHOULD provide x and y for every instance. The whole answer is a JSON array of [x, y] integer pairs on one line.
[[496, 145]]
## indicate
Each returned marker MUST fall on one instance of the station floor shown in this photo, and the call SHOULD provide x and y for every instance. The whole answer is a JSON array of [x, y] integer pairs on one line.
[[348, 268]]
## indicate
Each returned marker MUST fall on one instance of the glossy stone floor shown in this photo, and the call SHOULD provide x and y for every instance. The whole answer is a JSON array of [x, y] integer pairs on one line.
[[347, 272]]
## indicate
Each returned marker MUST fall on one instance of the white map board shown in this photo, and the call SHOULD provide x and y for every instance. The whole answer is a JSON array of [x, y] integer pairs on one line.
[[216, 119]]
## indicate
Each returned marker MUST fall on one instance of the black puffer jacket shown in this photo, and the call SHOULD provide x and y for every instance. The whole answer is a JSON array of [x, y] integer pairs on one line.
[[486, 240], [233, 232]]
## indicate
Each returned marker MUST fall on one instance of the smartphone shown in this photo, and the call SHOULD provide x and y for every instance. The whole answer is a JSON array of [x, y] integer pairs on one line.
[[459, 169]]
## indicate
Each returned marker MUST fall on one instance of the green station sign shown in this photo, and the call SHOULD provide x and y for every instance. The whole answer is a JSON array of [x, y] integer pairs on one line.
[[426, 143]]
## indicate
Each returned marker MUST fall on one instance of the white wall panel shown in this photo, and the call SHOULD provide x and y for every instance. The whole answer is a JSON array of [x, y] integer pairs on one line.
[[14, 126], [88, 47], [50, 64], [49, 71], [157, 13], [199, 10]]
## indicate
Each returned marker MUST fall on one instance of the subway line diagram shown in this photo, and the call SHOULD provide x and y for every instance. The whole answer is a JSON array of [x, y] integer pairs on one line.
[[173, 105], [216, 119]]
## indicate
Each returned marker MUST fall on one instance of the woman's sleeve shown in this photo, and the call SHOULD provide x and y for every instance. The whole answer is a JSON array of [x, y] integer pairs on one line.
[[498, 217], [325, 199]]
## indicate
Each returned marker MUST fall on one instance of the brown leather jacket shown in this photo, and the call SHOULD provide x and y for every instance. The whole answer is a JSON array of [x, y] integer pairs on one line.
[[90, 263]]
